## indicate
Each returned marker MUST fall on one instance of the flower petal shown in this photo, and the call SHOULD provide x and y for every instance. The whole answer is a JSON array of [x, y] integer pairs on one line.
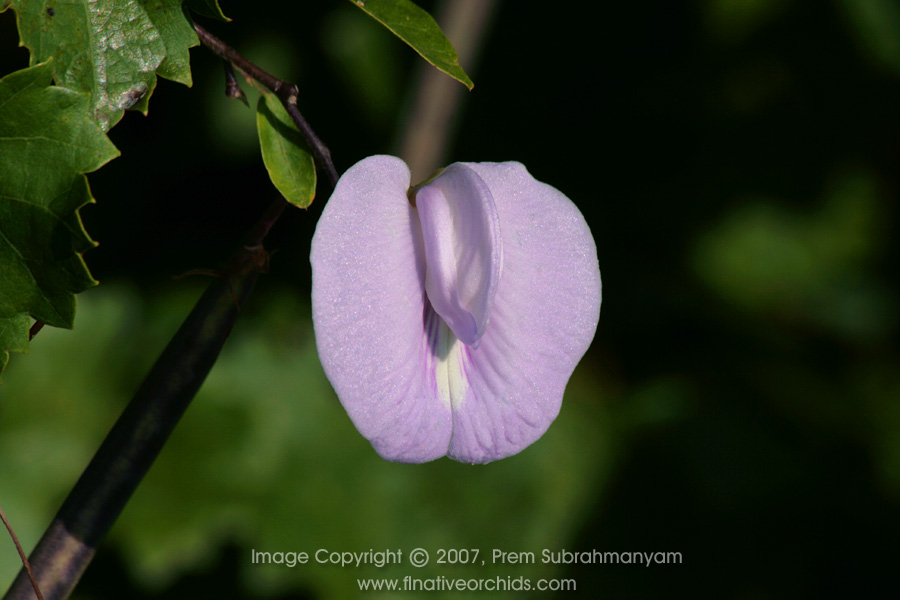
[[463, 253], [368, 304], [544, 317], [408, 381]]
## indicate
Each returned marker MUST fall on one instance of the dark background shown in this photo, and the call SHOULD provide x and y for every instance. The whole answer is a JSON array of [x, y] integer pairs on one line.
[[738, 165]]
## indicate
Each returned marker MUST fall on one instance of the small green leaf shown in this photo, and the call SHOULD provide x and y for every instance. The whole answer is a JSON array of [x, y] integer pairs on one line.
[[207, 8], [47, 143], [416, 27], [109, 48], [285, 153]]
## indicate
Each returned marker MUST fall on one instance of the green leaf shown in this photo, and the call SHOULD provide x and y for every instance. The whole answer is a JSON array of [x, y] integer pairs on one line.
[[109, 48], [207, 8], [285, 153], [416, 27], [177, 34], [47, 143]]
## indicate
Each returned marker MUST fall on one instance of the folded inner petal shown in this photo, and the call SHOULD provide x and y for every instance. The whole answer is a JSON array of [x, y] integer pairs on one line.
[[463, 252]]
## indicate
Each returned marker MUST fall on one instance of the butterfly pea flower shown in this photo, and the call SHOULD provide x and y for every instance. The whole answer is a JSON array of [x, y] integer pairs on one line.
[[449, 316]]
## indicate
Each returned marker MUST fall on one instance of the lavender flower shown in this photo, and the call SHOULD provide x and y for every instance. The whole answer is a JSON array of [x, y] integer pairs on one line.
[[450, 316]]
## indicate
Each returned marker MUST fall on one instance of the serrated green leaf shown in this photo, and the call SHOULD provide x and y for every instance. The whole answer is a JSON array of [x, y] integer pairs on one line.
[[177, 34], [47, 143], [284, 151], [416, 27], [109, 48], [207, 8]]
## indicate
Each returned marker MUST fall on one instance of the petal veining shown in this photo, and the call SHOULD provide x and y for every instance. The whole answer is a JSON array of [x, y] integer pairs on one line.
[[368, 301], [463, 252], [543, 319], [451, 327]]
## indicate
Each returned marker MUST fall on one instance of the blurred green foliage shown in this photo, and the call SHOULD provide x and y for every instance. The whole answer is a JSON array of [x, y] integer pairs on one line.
[[877, 27], [735, 20], [814, 268], [366, 61], [267, 459]]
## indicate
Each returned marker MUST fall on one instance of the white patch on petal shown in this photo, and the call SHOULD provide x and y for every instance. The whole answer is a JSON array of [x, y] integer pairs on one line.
[[446, 360]]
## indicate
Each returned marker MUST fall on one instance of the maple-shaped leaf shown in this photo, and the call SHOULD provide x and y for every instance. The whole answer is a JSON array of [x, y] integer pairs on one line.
[[47, 142], [112, 49]]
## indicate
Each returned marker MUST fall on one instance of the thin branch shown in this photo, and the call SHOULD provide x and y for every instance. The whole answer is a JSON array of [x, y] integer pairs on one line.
[[25, 563], [286, 92], [232, 87]]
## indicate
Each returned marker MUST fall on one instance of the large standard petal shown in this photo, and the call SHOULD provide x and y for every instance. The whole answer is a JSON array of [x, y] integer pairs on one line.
[[369, 310], [544, 317], [463, 251]]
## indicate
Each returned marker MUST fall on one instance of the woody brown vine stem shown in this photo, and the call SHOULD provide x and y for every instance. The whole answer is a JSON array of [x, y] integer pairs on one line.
[[132, 445], [286, 92]]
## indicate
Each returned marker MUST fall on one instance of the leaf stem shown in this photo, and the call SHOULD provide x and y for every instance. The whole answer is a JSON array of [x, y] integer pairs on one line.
[[286, 92]]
